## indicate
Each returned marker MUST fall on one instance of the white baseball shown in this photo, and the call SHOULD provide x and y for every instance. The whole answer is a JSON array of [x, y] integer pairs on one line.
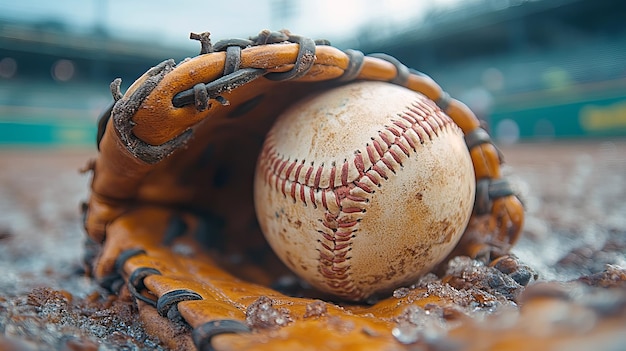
[[363, 188]]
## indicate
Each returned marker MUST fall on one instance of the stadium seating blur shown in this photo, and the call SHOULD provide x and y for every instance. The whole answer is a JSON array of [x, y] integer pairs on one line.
[[534, 69], [54, 82]]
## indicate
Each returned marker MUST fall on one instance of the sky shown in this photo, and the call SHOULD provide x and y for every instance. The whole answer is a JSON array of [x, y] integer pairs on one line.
[[170, 22]]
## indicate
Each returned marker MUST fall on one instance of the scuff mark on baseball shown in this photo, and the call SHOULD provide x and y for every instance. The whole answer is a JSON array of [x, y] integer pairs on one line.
[[363, 188]]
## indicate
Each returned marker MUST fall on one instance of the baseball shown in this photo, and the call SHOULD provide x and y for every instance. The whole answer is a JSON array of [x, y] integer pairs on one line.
[[363, 188]]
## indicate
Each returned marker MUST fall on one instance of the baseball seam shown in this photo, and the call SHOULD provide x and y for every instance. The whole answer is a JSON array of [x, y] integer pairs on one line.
[[343, 189]]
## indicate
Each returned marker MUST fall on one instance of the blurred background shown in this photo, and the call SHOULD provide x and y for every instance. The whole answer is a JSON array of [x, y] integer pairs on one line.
[[534, 69], [548, 75]]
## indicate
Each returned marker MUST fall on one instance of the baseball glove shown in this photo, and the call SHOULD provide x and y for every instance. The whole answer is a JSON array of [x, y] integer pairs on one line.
[[171, 220]]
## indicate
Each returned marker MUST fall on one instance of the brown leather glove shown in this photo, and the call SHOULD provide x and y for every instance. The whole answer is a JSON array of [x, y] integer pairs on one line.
[[171, 216]]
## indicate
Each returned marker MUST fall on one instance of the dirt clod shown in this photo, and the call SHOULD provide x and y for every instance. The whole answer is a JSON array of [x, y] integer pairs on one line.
[[612, 277], [417, 324], [400, 292], [315, 309], [262, 314], [471, 275]]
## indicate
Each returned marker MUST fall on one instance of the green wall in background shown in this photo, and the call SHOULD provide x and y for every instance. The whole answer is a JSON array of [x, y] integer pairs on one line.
[[540, 116], [599, 116], [47, 133]]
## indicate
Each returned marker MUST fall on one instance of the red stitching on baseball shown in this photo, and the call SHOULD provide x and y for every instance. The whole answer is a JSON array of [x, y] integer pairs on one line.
[[302, 196], [363, 186], [344, 173], [358, 163], [322, 253], [395, 155], [326, 247], [282, 166], [298, 170], [428, 129], [421, 121], [283, 183], [276, 183], [400, 125], [325, 235], [290, 168], [324, 204], [346, 224], [394, 131], [380, 171], [434, 126], [308, 174], [355, 198], [403, 148], [388, 163], [344, 234], [372, 178], [409, 118], [293, 191], [370, 153], [378, 147], [318, 176], [386, 139], [411, 144], [312, 195]]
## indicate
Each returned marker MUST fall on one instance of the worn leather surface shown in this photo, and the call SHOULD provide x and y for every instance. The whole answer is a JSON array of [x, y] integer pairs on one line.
[[544, 316], [190, 208]]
